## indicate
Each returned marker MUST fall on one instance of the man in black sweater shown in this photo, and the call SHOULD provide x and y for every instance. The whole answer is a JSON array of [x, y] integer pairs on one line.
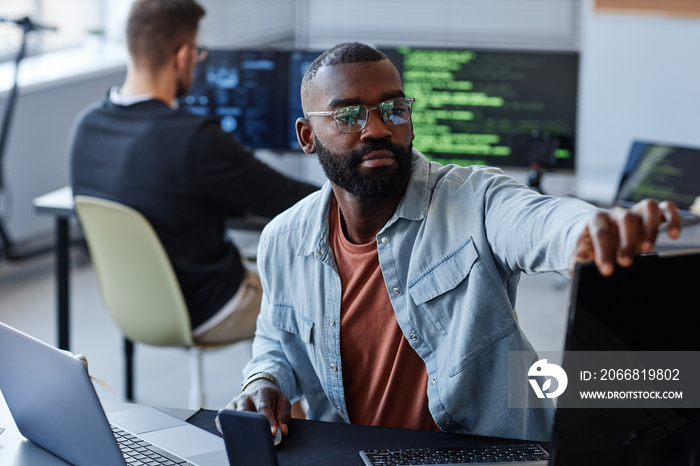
[[181, 171]]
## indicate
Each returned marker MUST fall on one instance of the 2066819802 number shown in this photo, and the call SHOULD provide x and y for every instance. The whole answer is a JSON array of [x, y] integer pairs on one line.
[[640, 374]]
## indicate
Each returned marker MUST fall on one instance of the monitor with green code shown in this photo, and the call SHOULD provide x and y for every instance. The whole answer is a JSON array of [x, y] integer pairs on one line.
[[492, 107]]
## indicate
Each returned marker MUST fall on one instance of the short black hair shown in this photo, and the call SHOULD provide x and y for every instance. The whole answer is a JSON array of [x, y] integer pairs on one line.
[[155, 28], [348, 52]]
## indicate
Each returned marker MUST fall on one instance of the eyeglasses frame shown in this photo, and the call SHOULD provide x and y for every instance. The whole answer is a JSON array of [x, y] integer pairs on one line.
[[200, 52], [333, 113]]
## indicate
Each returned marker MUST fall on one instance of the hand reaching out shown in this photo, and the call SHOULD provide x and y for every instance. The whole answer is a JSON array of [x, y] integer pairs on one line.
[[617, 236]]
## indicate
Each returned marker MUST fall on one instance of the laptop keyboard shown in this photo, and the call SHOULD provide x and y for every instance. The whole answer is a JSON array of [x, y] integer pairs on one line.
[[493, 454], [138, 452]]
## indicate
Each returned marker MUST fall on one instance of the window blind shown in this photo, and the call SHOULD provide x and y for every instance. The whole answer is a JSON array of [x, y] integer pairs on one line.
[[511, 24], [245, 23]]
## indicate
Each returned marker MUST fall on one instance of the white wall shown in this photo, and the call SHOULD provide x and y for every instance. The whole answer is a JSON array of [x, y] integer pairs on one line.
[[640, 79], [36, 158]]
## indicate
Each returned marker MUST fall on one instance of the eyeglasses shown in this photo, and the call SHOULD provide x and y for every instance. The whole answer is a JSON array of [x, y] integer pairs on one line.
[[354, 118], [200, 52]]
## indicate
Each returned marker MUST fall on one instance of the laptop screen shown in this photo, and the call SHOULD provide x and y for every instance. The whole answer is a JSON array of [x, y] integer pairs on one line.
[[661, 172], [649, 307]]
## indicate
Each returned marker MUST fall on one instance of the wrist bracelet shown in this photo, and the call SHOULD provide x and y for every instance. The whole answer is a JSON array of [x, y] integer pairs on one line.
[[257, 376]]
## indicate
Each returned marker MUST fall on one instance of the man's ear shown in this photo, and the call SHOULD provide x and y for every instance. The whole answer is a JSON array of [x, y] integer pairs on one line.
[[182, 56], [305, 135]]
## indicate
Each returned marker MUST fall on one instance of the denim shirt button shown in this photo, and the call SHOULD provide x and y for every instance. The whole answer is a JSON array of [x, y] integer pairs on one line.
[[385, 240], [432, 382], [331, 322], [414, 337], [340, 409], [319, 253], [334, 368], [396, 290]]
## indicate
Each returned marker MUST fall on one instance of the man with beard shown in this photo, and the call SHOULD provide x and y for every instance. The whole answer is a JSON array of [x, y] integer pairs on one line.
[[389, 295], [181, 171]]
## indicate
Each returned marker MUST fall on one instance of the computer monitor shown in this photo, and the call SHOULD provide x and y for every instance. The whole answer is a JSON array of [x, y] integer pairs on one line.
[[648, 310], [490, 107], [253, 93], [501, 108]]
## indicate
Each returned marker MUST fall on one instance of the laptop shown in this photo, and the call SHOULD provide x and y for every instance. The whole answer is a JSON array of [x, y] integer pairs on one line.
[[649, 307], [662, 172], [54, 404]]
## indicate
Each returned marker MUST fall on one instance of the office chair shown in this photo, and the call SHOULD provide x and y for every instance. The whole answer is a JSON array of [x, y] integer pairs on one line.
[[138, 285]]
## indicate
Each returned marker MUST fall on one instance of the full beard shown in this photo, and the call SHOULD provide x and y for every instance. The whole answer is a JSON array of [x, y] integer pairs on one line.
[[341, 170]]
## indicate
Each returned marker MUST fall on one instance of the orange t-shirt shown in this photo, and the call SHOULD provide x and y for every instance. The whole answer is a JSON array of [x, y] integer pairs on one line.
[[384, 378]]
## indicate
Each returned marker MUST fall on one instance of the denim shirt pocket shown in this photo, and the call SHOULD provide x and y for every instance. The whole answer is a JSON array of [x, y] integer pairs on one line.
[[429, 289], [287, 319]]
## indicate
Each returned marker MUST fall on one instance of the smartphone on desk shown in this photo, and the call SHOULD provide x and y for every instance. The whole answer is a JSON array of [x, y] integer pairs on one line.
[[248, 438]]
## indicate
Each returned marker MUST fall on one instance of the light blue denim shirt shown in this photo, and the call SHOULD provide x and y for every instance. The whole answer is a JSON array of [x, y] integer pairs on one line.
[[451, 257]]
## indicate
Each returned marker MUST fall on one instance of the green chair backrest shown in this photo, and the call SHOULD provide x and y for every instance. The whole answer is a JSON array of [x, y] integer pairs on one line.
[[137, 281]]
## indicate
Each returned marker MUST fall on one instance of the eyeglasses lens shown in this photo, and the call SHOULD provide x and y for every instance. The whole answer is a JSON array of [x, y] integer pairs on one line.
[[351, 119], [201, 53], [395, 111]]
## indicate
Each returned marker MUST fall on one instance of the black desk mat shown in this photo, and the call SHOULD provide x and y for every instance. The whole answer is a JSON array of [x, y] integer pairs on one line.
[[335, 444]]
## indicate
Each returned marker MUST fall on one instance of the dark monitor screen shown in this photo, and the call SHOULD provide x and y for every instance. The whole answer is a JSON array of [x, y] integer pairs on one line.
[[486, 107], [245, 90], [661, 171], [253, 93], [649, 308]]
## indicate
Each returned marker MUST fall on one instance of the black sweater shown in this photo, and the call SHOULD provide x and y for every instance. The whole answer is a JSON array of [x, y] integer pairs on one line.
[[185, 175]]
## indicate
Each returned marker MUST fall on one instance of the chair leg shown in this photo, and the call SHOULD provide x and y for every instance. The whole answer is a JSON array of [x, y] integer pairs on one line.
[[196, 379], [129, 369]]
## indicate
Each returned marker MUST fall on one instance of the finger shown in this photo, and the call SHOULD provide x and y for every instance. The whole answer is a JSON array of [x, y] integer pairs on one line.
[[283, 414], [584, 251], [605, 239], [277, 409], [672, 217], [264, 406], [650, 214], [632, 235]]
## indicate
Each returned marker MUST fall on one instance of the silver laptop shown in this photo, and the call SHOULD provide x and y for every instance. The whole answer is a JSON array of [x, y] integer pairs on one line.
[[54, 404]]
